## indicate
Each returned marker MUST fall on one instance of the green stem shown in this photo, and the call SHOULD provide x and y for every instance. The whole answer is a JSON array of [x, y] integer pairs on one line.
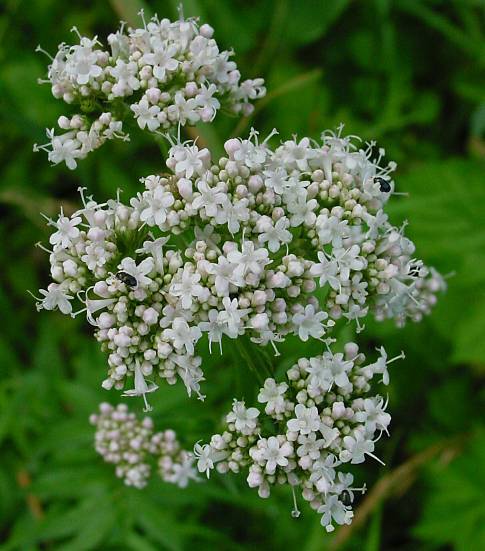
[[254, 359]]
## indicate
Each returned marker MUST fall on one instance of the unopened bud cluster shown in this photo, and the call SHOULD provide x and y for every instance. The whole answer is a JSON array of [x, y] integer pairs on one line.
[[236, 246], [164, 74], [322, 417], [135, 449]]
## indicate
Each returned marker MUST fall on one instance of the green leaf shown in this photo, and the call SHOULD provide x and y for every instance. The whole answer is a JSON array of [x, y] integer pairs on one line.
[[454, 509]]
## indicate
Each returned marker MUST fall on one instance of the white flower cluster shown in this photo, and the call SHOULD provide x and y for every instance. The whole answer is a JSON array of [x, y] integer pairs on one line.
[[320, 418], [166, 74], [235, 247], [131, 445]]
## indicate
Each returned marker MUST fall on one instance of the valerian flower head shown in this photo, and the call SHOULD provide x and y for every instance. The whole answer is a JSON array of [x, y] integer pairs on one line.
[[165, 74], [212, 248], [136, 450], [305, 435]]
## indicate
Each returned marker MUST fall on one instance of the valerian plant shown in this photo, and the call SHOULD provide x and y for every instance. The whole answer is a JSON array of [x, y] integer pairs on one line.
[[264, 242]]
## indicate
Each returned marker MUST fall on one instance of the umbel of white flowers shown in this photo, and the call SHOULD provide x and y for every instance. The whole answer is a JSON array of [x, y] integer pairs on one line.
[[321, 417], [164, 74], [239, 245], [135, 449]]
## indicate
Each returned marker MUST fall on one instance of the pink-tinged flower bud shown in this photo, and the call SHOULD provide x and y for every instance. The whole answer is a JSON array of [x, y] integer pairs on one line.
[[231, 146], [184, 186], [338, 410], [255, 183], [206, 31], [150, 316], [153, 95], [63, 122]]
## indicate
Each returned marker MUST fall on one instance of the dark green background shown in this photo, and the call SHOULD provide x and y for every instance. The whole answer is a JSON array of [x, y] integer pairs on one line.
[[408, 73]]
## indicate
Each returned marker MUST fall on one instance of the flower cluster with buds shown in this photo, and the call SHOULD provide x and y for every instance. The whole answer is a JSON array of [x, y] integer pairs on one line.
[[165, 74], [236, 246], [135, 449], [307, 428]]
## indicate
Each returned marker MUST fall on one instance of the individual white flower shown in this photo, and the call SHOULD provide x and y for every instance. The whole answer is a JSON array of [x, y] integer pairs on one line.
[[297, 154], [81, 63], [301, 210], [126, 76], [276, 234], [55, 297], [374, 415], [189, 160], [224, 276], [95, 256], [159, 201], [320, 375], [244, 419], [216, 326], [184, 110], [273, 395], [233, 315], [309, 445], [182, 335], [209, 199], [356, 447], [309, 323], [155, 249], [233, 214], [277, 180], [67, 230], [338, 368], [334, 510], [141, 387], [163, 61], [64, 149], [348, 259], [250, 259], [306, 420], [207, 101], [187, 287], [206, 457], [275, 453], [331, 230], [146, 114], [323, 473], [327, 271]]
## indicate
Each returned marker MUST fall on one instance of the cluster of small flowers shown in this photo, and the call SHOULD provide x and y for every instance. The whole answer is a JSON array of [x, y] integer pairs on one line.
[[166, 73], [252, 234], [319, 419], [131, 445]]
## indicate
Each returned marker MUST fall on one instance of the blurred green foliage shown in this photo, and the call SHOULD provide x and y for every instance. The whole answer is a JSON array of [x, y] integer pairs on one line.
[[409, 73]]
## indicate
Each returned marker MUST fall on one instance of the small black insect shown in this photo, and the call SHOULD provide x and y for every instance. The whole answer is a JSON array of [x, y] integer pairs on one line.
[[127, 279], [345, 498], [384, 185]]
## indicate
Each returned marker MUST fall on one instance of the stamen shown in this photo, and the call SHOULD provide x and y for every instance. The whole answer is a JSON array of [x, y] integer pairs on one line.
[[277, 352], [295, 512], [141, 13], [40, 246], [40, 49], [401, 356], [147, 407], [376, 458], [33, 296], [75, 30]]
